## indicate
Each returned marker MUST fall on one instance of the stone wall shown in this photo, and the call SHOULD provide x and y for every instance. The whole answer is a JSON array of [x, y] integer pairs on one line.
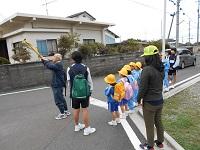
[[18, 76]]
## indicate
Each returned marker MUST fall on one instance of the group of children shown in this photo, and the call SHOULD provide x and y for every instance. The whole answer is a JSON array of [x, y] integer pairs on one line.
[[123, 92], [129, 76]]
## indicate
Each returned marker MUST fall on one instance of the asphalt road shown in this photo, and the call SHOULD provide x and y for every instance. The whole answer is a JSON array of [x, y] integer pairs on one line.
[[27, 122]]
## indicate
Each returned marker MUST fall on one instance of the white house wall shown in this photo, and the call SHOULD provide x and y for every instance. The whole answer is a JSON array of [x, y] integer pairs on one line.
[[89, 34], [32, 38]]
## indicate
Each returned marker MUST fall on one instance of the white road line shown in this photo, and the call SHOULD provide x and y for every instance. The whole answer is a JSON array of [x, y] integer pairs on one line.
[[36, 89], [129, 131]]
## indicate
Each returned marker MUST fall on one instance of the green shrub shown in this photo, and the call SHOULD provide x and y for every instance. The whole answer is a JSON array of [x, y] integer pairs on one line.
[[4, 61]]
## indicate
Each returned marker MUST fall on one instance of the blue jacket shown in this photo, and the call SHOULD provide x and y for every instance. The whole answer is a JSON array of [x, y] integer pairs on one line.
[[58, 73], [109, 92], [166, 64]]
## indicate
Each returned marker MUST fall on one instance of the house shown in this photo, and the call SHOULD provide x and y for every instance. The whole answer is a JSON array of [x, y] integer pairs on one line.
[[43, 32]]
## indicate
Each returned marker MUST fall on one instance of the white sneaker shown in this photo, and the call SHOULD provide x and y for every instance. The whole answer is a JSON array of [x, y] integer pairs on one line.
[[131, 111], [170, 81], [123, 116], [173, 86], [79, 127], [166, 89], [136, 104], [112, 123], [89, 130], [61, 116], [126, 113], [118, 120], [67, 112]]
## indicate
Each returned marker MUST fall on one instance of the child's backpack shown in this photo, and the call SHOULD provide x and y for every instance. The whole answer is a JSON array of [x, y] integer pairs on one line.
[[119, 91], [132, 81], [80, 88], [128, 89]]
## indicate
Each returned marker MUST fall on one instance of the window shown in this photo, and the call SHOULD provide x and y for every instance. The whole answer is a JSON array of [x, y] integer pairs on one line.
[[52, 46], [88, 41], [47, 47], [16, 44]]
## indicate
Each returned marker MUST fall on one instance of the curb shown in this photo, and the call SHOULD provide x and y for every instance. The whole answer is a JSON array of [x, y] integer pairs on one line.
[[167, 137]]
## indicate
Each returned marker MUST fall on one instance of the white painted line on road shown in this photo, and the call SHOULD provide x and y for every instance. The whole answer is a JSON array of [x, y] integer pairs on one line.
[[129, 131], [188, 79], [36, 89]]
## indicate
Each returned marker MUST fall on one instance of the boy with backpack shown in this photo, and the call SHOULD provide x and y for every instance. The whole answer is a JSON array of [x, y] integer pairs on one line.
[[128, 92], [81, 86], [112, 103]]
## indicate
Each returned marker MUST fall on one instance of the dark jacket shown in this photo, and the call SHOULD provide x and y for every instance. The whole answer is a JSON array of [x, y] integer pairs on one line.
[[58, 73], [151, 85]]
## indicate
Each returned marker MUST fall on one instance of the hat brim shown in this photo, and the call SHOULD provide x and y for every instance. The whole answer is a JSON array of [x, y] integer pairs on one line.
[[107, 81], [149, 54], [121, 73]]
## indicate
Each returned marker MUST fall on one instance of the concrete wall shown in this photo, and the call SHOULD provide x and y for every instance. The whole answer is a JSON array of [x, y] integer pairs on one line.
[[18, 76]]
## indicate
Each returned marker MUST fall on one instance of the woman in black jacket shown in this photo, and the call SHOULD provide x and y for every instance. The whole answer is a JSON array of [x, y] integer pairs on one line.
[[150, 96]]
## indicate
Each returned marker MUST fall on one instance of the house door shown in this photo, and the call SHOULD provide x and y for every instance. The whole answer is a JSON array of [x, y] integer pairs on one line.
[[42, 47], [3, 49]]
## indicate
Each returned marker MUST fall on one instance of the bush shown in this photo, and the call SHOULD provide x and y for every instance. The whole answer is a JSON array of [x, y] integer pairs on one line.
[[92, 49], [4, 61], [21, 54], [67, 42]]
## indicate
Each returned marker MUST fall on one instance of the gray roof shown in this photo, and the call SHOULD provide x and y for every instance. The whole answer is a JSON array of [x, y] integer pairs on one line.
[[80, 13]]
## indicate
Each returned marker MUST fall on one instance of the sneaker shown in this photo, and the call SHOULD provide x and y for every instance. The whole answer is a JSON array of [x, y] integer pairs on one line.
[[173, 86], [61, 116], [123, 116], [167, 89], [89, 130], [118, 120], [131, 111], [146, 146], [170, 81], [126, 113], [79, 127], [136, 104], [67, 112], [159, 144], [112, 123]]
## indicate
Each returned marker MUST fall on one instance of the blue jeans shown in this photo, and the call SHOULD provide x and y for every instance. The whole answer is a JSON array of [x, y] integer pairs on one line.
[[131, 103], [165, 81], [59, 99]]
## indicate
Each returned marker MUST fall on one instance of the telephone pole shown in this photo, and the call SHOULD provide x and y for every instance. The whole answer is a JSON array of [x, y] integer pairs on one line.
[[198, 24], [189, 31], [177, 23]]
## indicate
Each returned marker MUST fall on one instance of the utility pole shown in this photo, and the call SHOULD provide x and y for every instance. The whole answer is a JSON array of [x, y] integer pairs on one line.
[[177, 23], [164, 29], [171, 24], [198, 24], [189, 31]]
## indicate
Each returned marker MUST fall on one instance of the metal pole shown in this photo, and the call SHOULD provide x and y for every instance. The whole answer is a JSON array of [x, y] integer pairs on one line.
[[164, 29], [46, 7], [198, 24], [177, 23], [171, 25], [189, 31]]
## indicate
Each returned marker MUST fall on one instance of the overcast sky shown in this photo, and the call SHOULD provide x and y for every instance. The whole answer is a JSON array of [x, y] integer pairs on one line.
[[132, 18]]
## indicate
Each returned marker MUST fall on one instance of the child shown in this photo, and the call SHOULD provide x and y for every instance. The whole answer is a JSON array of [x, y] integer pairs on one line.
[[128, 92], [136, 75], [132, 65], [112, 104], [134, 86], [166, 71]]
